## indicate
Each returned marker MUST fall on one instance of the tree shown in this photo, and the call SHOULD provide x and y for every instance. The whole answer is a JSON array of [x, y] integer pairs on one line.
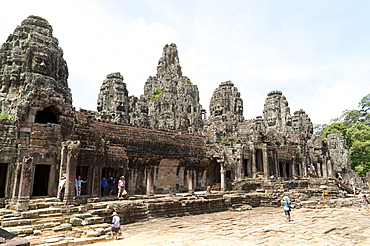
[[364, 104], [360, 157]]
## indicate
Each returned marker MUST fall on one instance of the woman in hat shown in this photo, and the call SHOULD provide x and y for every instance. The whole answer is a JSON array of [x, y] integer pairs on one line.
[[121, 187]]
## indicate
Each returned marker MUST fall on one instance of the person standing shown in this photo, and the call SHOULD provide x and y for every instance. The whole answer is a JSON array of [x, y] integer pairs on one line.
[[365, 203], [325, 193], [104, 185], [62, 187], [78, 185], [121, 187], [111, 185], [116, 225], [286, 203]]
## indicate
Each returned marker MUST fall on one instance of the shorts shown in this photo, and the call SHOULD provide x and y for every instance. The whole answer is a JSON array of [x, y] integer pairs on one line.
[[287, 212], [114, 229]]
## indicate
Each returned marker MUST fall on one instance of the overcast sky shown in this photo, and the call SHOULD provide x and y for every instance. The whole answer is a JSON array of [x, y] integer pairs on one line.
[[316, 52]]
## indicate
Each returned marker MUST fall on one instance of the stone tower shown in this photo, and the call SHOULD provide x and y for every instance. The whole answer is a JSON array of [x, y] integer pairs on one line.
[[170, 100], [33, 72], [276, 113], [113, 100], [34, 95]]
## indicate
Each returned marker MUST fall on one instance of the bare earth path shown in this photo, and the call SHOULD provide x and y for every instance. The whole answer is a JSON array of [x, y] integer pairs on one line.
[[259, 226]]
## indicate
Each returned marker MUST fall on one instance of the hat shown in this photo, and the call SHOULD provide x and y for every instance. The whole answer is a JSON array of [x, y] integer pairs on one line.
[[122, 176], [111, 178], [285, 198], [114, 213], [79, 177]]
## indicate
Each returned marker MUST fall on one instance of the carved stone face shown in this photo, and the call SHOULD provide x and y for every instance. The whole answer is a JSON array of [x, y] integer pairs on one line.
[[41, 63]]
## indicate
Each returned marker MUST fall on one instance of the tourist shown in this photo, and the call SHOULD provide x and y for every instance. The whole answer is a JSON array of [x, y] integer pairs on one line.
[[62, 187], [287, 208], [121, 187], [340, 177], [313, 170], [325, 193], [111, 185], [116, 225], [78, 185], [365, 203], [104, 185]]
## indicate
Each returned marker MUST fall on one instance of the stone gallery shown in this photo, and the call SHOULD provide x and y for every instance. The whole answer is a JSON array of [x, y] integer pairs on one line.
[[162, 141]]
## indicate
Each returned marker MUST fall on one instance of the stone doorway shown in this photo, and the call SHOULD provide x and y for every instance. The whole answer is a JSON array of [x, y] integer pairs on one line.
[[259, 160], [48, 115], [41, 180], [84, 173], [3, 178]]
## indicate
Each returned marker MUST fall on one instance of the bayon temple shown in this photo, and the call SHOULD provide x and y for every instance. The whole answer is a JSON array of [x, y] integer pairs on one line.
[[162, 142]]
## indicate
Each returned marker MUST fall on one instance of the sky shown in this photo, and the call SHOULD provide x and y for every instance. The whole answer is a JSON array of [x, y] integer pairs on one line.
[[316, 52]]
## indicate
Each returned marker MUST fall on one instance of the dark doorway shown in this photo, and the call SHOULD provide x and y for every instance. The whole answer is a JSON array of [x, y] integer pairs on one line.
[[3, 172], [259, 160], [48, 115], [247, 168], [83, 172], [288, 170], [41, 180], [281, 168]]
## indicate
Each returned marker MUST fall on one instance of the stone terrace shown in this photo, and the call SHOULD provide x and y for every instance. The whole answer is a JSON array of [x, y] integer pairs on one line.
[[49, 222]]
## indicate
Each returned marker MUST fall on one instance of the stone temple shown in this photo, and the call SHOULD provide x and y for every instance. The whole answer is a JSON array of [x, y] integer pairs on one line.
[[162, 142]]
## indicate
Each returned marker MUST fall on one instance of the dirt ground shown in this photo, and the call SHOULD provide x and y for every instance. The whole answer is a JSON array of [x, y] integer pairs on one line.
[[259, 226]]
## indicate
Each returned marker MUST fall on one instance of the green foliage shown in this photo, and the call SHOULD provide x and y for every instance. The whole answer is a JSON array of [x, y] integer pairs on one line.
[[334, 127], [158, 92], [355, 127], [360, 156], [189, 82], [4, 116]]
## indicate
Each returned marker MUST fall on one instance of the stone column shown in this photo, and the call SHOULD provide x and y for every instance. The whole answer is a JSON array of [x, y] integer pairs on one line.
[[223, 177], [149, 181], [254, 165], [318, 169], [72, 153], [324, 168], [330, 169], [304, 167], [16, 182], [294, 168], [276, 164], [25, 184], [190, 179], [265, 163]]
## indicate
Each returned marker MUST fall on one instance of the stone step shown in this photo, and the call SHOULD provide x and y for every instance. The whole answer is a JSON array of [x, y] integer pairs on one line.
[[20, 230], [50, 215], [6, 212], [17, 222], [94, 220]]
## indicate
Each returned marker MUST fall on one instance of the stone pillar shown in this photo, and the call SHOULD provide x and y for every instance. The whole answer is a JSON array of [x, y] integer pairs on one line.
[[304, 167], [16, 182], [330, 168], [52, 188], [149, 181], [25, 184], [223, 177], [277, 165], [72, 153], [294, 168], [324, 168], [190, 177], [318, 169], [254, 165], [266, 170]]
